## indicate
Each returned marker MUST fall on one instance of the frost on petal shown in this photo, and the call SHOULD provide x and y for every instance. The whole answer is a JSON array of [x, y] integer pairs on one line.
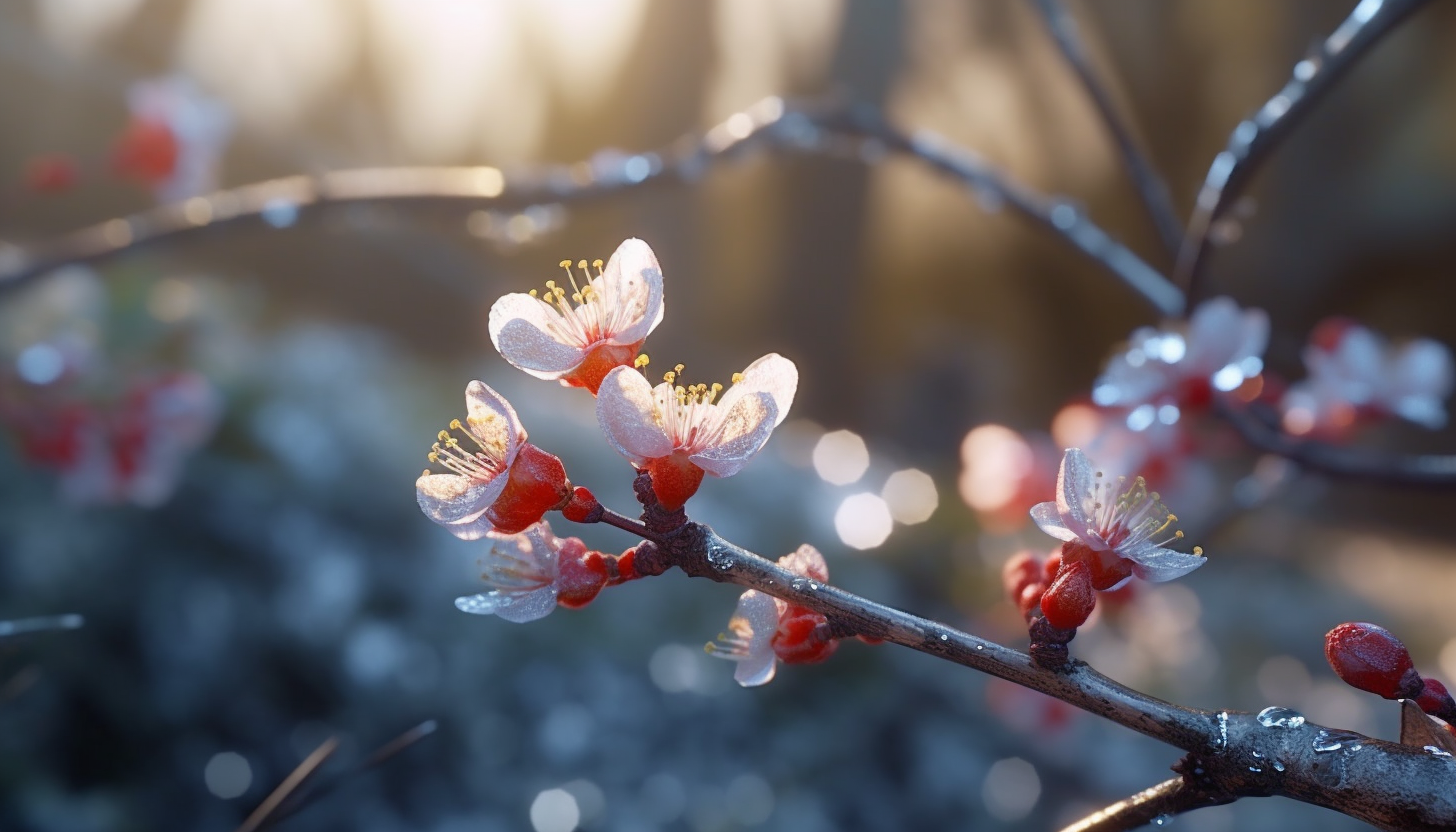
[[773, 375], [627, 413], [755, 620], [451, 499], [1156, 564], [741, 434], [526, 332], [1049, 520], [471, 529], [493, 423], [631, 286], [1074, 489], [806, 561], [518, 609]]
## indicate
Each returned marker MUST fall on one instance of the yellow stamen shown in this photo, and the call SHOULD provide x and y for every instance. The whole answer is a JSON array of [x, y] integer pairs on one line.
[[641, 361]]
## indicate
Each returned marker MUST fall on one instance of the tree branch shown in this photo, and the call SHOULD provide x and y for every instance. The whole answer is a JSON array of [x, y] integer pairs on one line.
[[1150, 187], [1170, 797], [1230, 754], [825, 129], [1256, 137], [1425, 470]]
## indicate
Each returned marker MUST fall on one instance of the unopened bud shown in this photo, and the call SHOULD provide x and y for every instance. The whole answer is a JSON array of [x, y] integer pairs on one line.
[[1435, 700], [1372, 659], [1070, 599]]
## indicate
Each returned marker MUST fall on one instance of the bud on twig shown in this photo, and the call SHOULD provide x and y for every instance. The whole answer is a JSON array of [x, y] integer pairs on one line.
[[1372, 659]]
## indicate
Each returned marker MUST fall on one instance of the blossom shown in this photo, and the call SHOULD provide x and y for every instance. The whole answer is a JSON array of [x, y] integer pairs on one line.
[[502, 483], [1219, 348], [580, 335], [176, 137], [677, 433], [765, 630], [531, 572], [1117, 534], [1354, 372]]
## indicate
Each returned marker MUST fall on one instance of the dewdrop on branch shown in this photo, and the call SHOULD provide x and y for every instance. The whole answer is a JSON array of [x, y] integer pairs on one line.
[[495, 479], [580, 331], [678, 432]]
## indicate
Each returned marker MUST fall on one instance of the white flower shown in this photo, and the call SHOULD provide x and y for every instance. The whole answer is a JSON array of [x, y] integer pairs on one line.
[[1219, 347], [458, 500], [749, 639], [524, 571], [1352, 369], [1132, 525], [200, 124], [718, 435], [579, 335]]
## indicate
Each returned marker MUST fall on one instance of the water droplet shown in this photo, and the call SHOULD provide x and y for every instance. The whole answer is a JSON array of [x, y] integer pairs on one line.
[[720, 557], [1278, 766], [1162, 820], [1255, 769], [1258, 756], [944, 637], [1326, 741], [1274, 717], [1436, 751], [800, 584], [1221, 742], [980, 647]]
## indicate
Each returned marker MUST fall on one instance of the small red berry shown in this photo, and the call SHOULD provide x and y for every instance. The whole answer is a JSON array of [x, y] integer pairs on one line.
[[1372, 659], [1070, 599]]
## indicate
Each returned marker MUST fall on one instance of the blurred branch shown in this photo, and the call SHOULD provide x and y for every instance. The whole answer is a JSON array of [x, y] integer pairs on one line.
[[41, 624], [857, 131], [1256, 137], [1150, 187], [1171, 797], [263, 815], [1388, 469], [1392, 786]]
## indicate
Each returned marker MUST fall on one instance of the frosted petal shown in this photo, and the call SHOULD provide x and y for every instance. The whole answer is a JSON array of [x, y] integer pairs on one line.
[[451, 498], [1075, 481], [806, 561], [518, 609], [741, 435], [757, 617], [632, 284], [1156, 564], [1049, 520], [773, 375], [626, 412], [493, 422], [525, 333]]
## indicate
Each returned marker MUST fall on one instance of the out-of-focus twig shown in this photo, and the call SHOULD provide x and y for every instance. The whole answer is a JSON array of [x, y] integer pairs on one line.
[[826, 129], [1257, 136], [265, 811], [1168, 798], [40, 624], [1145, 179]]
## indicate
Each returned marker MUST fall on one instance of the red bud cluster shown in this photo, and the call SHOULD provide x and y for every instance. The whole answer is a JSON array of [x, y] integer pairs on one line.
[[1372, 659]]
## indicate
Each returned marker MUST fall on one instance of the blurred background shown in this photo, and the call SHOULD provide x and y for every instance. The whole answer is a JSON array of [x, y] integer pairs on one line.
[[255, 577]]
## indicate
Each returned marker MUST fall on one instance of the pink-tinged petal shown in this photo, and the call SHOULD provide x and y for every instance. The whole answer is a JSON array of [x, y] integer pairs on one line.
[[756, 616], [806, 561], [1049, 520], [493, 422], [1075, 483], [631, 285], [518, 609], [772, 374], [626, 411], [744, 430], [452, 499], [527, 333], [1155, 564]]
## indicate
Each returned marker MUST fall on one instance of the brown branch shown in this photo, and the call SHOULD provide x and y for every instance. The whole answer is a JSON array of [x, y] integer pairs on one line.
[[1149, 185], [1168, 798], [818, 129], [264, 813], [1424, 470], [1230, 754], [1256, 137]]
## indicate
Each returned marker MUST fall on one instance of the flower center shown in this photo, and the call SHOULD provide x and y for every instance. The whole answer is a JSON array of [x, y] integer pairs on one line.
[[512, 571], [1129, 517], [734, 644], [685, 412], [483, 465], [585, 314]]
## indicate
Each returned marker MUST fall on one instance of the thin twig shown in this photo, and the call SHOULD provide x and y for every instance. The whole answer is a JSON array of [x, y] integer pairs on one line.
[[40, 624], [1168, 798], [303, 798], [1256, 137], [1424, 470], [310, 764], [821, 129], [1145, 179]]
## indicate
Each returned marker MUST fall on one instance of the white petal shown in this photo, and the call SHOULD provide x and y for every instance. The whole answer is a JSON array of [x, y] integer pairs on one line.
[[1419, 369], [1122, 384], [772, 374], [1156, 564], [471, 529], [452, 499], [493, 422], [1215, 332], [806, 561], [759, 615], [1255, 336], [1075, 481], [524, 332], [1049, 520], [626, 413], [515, 608], [739, 437], [632, 284]]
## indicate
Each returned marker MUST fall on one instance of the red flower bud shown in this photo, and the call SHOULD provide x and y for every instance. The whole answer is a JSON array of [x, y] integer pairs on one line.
[[674, 479], [51, 173], [1070, 599], [798, 640], [1030, 598], [582, 575], [583, 507], [537, 484], [1052, 566], [146, 152], [1435, 700], [1106, 572], [1372, 659], [1019, 573]]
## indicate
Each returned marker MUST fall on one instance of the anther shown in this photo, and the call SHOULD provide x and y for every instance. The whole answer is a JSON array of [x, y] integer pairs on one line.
[[641, 361]]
